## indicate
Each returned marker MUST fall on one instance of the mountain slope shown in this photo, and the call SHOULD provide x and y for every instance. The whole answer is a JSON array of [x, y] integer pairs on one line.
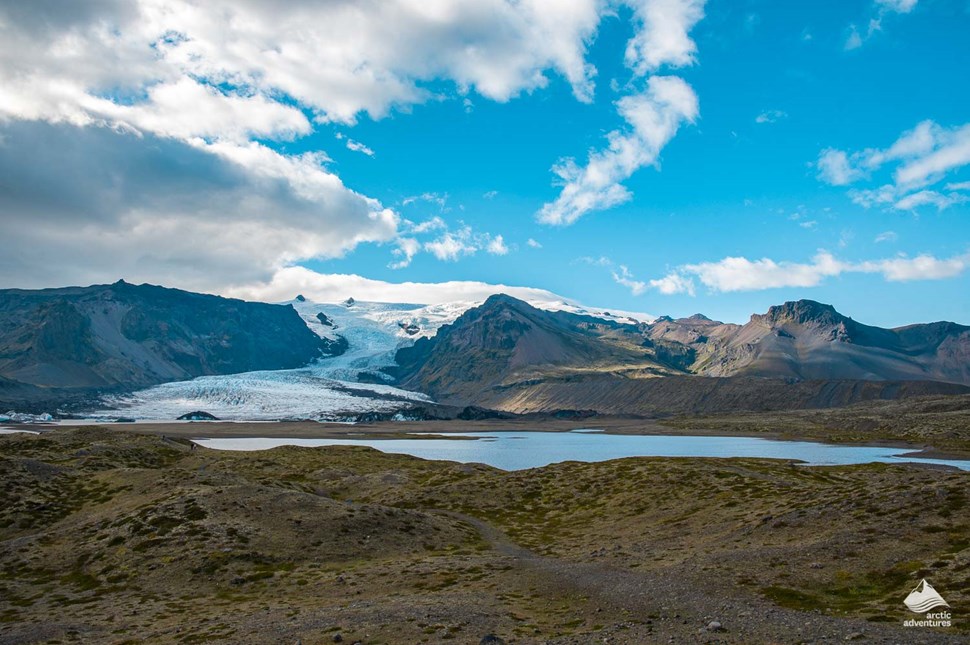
[[508, 355], [507, 341], [125, 336], [808, 340]]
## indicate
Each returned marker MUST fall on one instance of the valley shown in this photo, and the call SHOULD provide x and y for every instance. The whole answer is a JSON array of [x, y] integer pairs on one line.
[[112, 536]]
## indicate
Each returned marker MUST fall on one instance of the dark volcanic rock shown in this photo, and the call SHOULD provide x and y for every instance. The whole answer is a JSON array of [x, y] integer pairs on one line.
[[55, 343], [475, 413], [198, 415], [325, 320], [336, 346], [491, 639], [510, 356]]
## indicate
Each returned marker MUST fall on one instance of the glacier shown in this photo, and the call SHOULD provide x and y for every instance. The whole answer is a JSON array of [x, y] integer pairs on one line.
[[331, 388]]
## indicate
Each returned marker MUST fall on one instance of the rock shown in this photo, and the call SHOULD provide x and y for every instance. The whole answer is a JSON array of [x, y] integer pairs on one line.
[[714, 626], [338, 638], [350, 302], [475, 413], [325, 320], [855, 636], [300, 298], [124, 420], [409, 328], [238, 580], [491, 639], [198, 415]]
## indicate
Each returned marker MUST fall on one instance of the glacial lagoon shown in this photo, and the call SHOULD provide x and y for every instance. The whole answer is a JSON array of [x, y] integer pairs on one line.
[[522, 450]]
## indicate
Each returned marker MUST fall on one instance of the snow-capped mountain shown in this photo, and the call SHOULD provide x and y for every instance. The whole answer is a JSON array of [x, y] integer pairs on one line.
[[334, 387]]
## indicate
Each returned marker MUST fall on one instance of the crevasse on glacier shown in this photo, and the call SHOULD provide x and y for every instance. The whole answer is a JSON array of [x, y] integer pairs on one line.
[[330, 388]]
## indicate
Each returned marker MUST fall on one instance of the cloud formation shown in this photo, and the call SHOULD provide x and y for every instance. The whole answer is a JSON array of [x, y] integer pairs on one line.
[[96, 204], [652, 115], [622, 276], [653, 118], [733, 274], [771, 116], [320, 287], [919, 161], [882, 8], [220, 85]]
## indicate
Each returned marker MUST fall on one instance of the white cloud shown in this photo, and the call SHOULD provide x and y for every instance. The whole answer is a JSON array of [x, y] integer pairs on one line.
[[95, 204], [929, 198], [490, 194], [496, 246], [869, 197], [741, 274], [601, 261], [533, 243], [882, 8], [622, 276], [897, 6], [407, 248], [433, 224], [950, 149], [451, 246], [228, 79], [357, 146], [918, 159], [771, 116], [886, 236], [854, 40], [834, 168], [441, 200], [448, 245], [653, 117], [922, 267], [319, 287], [662, 36], [673, 283]]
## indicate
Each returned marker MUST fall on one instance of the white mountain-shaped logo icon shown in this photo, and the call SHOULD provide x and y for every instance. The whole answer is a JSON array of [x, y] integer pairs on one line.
[[923, 598]]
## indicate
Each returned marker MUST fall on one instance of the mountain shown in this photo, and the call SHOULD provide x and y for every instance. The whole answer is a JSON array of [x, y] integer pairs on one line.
[[808, 340], [76, 340], [508, 355], [507, 341]]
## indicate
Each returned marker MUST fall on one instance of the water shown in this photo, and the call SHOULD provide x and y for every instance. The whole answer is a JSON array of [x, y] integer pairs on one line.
[[521, 450]]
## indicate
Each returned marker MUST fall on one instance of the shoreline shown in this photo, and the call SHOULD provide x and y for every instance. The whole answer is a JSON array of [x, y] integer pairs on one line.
[[418, 430]]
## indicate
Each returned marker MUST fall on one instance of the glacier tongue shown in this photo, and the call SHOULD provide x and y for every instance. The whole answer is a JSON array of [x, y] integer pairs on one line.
[[330, 388]]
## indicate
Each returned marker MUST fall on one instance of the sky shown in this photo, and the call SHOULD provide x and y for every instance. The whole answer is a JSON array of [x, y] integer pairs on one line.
[[661, 156]]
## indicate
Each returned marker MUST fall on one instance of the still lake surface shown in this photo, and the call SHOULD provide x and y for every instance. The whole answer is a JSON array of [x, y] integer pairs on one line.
[[521, 450]]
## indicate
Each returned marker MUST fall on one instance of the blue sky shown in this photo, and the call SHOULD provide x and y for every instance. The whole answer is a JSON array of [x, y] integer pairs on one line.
[[783, 184]]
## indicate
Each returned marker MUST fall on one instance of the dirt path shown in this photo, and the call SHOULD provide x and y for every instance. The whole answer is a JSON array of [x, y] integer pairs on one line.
[[680, 603]]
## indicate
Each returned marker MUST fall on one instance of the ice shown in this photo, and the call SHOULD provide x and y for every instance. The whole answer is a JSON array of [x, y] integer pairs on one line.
[[330, 388]]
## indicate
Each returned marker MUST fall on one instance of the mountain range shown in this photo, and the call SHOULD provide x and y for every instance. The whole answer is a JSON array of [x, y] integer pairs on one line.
[[57, 344], [508, 355], [505, 354]]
